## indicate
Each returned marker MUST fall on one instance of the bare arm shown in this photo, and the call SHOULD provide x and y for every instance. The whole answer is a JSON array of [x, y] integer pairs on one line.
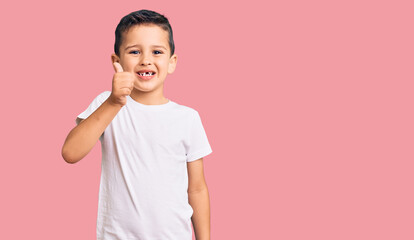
[[198, 198], [84, 136]]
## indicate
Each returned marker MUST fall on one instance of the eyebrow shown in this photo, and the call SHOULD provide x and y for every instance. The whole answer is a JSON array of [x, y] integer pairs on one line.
[[137, 45]]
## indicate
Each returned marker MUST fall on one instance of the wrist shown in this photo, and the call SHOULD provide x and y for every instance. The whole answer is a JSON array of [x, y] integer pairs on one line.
[[114, 104]]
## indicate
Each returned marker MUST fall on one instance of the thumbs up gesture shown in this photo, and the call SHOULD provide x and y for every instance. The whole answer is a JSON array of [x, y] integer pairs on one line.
[[122, 85]]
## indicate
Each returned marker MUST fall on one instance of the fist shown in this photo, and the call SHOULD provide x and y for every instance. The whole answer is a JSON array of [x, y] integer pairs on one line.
[[122, 85]]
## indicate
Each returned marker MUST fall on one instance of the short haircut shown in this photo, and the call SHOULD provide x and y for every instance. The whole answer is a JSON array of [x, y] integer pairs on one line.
[[142, 17]]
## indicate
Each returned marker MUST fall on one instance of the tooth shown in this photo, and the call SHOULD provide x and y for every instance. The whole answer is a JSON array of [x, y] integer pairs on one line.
[[146, 73]]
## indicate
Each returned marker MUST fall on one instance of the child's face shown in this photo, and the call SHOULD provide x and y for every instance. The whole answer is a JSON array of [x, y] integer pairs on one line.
[[145, 47]]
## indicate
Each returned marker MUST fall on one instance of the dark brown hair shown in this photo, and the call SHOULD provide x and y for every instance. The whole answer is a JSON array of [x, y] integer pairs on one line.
[[142, 17]]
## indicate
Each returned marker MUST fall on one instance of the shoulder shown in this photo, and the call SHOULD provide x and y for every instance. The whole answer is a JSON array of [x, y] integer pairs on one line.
[[103, 96], [186, 110]]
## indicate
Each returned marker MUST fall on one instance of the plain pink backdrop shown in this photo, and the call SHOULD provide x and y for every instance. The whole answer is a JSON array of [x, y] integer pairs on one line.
[[308, 106]]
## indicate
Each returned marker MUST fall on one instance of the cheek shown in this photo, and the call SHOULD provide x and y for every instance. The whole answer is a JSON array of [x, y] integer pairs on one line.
[[129, 68], [166, 65], [163, 66]]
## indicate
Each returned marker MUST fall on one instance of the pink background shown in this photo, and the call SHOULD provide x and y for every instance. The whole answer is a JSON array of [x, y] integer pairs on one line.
[[308, 106]]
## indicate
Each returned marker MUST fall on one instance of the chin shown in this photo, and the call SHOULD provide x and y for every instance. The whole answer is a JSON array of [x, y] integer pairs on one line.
[[145, 89]]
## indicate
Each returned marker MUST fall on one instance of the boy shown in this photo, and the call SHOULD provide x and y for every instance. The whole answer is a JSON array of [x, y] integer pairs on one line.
[[152, 182]]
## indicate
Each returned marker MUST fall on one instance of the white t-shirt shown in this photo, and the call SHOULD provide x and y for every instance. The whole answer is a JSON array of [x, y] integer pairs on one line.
[[144, 180]]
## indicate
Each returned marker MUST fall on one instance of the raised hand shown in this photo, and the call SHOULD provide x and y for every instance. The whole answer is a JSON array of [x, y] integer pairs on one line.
[[122, 85]]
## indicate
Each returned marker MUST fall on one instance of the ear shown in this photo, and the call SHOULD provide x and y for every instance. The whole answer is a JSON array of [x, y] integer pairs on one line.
[[172, 63], [114, 58]]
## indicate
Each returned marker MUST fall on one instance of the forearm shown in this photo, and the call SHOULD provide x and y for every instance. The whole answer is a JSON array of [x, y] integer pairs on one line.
[[200, 203], [84, 136]]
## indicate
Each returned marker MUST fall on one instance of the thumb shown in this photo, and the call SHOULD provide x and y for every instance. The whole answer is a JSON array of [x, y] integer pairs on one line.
[[118, 68]]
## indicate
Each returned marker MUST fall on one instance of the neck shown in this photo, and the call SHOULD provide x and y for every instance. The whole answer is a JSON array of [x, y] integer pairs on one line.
[[148, 98]]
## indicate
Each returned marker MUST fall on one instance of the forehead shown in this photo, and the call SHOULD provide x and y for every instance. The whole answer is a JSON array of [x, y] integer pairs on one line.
[[145, 35]]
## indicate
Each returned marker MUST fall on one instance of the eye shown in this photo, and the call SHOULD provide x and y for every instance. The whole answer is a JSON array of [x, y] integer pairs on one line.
[[157, 52], [133, 52]]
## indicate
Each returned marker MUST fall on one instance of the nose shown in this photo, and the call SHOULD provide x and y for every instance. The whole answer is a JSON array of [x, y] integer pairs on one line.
[[145, 59]]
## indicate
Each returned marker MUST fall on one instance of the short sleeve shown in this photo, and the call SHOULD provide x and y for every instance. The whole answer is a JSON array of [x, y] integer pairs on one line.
[[197, 144], [93, 106]]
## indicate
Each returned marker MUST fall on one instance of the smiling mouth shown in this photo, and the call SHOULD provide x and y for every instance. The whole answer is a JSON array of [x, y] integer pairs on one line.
[[146, 73]]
